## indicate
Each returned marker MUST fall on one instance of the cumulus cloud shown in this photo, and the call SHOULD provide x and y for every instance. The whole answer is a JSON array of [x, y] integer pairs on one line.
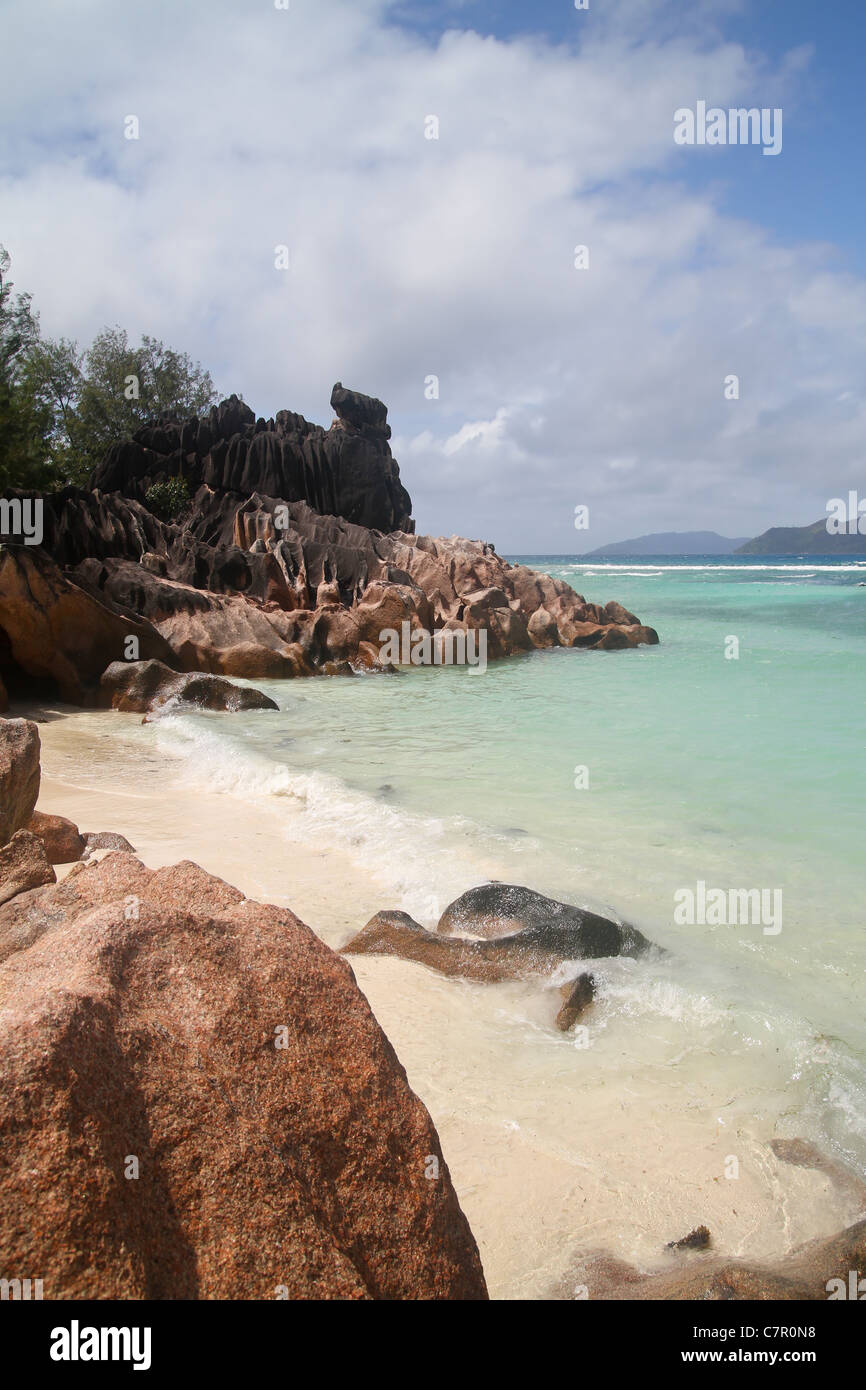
[[451, 257]]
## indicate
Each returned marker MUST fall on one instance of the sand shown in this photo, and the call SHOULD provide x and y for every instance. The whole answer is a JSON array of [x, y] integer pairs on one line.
[[554, 1149]]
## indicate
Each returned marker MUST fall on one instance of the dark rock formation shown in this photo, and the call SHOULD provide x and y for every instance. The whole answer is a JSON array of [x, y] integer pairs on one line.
[[533, 949], [20, 774], [295, 555], [698, 1239], [149, 686], [496, 910], [345, 471], [196, 1102]]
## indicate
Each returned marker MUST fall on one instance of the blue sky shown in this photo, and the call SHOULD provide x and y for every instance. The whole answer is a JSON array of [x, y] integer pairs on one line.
[[824, 134], [454, 257]]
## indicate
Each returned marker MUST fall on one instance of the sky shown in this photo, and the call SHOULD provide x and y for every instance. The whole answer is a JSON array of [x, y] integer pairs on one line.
[[602, 385]]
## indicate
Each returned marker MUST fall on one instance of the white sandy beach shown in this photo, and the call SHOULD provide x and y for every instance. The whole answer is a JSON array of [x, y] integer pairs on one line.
[[551, 1154]]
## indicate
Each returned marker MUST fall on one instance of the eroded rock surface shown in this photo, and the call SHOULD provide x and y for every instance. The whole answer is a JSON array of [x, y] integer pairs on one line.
[[196, 1102]]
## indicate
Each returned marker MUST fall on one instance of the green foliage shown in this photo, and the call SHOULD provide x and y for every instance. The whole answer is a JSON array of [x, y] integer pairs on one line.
[[25, 423], [167, 499], [125, 387], [61, 409]]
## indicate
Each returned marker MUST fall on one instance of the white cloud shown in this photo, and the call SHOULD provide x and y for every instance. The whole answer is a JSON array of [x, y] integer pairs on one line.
[[454, 257]]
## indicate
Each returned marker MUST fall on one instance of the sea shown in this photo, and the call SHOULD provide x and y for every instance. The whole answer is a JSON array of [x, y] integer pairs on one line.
[[732, 756]]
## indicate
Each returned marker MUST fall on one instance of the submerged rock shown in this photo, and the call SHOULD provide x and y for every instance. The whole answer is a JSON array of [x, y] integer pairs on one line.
[[577, 996], [496, 910], [818, 1272], [503, 949], [197, 1102], [698, 1239]]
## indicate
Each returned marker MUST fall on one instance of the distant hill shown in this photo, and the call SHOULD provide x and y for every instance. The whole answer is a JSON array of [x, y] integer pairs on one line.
[[804, 540], [674, 543]]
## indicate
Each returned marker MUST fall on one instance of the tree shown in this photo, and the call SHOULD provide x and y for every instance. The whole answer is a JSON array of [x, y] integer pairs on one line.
[[126, 387], [25, 421], [52, 376], [61, 409]]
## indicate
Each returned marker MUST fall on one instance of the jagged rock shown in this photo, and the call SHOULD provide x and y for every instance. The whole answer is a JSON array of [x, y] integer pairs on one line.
[[59, 634], [361, 411], [347, 472], [296, 551], [698, 1239], [20, 774], [23, 865], [60, 838], [160, 1016], [144, 687]]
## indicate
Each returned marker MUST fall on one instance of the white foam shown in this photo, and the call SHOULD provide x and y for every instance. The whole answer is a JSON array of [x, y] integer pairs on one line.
[[416, 859]]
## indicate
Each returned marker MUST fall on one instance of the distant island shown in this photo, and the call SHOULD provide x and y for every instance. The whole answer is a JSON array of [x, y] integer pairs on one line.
[[674, 543], [804, 540]]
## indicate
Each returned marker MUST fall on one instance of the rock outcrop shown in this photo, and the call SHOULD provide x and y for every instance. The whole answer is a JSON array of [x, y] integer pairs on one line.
[[495, 910], [146, 687], [58, 634], [345, 471], [196, 1102], [818, 1272], [295, 555], [23, 865], [60, 838], [20, 774], [566, 933]]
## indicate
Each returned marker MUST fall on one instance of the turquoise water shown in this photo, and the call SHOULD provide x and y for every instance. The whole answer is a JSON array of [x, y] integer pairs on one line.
[[743, 773]]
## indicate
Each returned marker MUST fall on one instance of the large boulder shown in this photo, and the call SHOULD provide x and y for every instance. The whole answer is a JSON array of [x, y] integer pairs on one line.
[[23, 865], [143, 687], [514, 952], [496, 910], [60, 838], [197, 1102], [19, 774], [58, 633]]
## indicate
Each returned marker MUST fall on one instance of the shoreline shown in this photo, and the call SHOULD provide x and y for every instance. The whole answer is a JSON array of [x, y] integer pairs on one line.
[[549, 1162]]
